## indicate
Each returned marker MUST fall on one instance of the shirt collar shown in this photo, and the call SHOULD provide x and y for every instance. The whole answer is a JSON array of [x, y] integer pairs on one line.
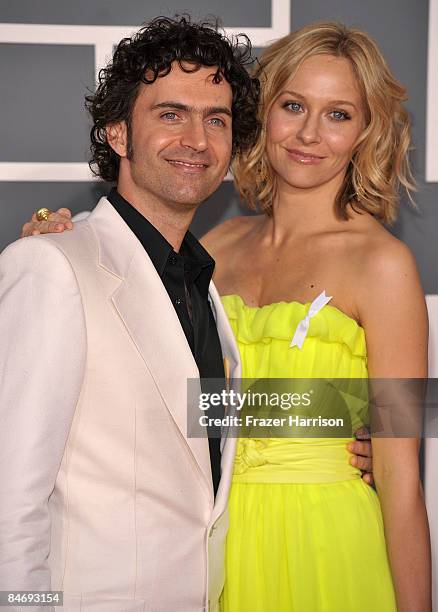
[[197, 261]]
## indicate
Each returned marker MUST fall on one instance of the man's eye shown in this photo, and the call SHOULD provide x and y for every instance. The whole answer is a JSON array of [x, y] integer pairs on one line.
[[216, 121], [295, 107], [169, 115], [340, 115]]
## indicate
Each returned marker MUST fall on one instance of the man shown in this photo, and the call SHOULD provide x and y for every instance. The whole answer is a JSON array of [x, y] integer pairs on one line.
[[104, 496]]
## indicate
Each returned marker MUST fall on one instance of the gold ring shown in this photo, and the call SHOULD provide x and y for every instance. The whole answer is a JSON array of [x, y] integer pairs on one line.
[[42, 214]]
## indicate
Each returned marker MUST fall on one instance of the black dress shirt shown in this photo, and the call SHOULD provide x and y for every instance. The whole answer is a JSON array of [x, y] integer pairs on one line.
[[186, 276]]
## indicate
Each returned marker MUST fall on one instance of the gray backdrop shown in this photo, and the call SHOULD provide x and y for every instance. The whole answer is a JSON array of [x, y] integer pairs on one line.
[[42, 118], [42, 88]]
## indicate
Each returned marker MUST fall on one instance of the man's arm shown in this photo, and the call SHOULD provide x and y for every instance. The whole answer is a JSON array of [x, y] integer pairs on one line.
[[42, 357], [57, 222], [362, 451]]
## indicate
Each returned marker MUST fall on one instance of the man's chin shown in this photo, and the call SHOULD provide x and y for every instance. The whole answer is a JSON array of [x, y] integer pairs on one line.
[[188, 201], [192, 197]]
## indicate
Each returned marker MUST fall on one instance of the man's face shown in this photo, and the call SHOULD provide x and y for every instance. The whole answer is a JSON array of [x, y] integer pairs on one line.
[[180, 138]]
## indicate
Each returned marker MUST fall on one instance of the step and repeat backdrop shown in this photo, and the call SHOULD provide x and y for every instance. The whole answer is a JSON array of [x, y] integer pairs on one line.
[[51, 51]]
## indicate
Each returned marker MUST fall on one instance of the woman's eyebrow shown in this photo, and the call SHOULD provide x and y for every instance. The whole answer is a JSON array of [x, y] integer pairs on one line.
[[297, 95]]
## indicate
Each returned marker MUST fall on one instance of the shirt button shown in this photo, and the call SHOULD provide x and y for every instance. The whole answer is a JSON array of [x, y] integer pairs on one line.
[[173, 260], [178, 301]]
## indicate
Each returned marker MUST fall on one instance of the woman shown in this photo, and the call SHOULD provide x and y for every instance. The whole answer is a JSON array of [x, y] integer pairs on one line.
[[325, 171], [306, 534]]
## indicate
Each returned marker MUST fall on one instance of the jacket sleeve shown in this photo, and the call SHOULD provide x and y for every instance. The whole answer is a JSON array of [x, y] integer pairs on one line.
[[42, 358]]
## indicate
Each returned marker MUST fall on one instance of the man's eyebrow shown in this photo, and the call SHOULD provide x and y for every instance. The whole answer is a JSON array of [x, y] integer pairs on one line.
[[209, 110], [217, 110], [297, 95], [170, 104]]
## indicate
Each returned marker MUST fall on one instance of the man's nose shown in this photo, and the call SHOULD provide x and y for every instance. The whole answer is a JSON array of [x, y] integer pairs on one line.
[[194, 135]]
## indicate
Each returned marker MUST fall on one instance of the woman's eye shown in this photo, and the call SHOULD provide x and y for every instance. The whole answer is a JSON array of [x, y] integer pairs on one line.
[[340, 115], [295, 107]]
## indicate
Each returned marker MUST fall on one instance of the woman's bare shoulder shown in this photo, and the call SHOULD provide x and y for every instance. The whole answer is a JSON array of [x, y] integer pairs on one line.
[[388, 277], [375, 265], [229, 233], [385, 255], [375, 250]]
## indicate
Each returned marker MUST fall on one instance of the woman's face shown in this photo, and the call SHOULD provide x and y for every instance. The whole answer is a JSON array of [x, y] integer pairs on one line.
[[314, 124]]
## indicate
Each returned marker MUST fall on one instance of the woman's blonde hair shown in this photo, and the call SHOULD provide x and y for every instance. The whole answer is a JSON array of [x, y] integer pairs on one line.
[[380, 164]]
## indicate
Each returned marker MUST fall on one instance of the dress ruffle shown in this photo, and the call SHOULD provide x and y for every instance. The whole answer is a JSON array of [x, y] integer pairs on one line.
[[279, 320]]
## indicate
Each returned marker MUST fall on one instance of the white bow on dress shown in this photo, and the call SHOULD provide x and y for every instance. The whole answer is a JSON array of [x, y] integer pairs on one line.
[[303, 325]]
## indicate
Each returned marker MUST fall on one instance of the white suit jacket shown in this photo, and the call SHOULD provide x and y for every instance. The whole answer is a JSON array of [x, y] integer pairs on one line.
[[102, 494]]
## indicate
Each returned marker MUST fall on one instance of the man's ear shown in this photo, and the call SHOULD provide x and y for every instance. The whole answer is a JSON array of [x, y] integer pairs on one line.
[[117, 137]]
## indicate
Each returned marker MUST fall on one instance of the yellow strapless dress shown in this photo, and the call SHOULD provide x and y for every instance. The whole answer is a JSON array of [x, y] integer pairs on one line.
[[306, 533]]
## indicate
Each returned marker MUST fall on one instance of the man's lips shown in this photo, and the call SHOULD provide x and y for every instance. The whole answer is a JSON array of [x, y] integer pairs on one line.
[[304, 158], [188, 164]]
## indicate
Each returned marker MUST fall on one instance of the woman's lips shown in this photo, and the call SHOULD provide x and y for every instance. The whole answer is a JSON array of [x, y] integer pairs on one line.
[[304, 158]]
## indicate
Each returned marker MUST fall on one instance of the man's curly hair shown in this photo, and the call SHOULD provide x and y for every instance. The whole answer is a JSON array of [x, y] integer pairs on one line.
[[148, 55]]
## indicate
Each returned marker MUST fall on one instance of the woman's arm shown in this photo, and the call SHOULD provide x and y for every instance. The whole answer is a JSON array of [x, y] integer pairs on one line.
[[393, 313]]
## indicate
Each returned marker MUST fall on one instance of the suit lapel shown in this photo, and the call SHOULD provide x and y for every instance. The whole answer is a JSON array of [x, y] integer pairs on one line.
[[143, 304], [230, 352], [226, 336]]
